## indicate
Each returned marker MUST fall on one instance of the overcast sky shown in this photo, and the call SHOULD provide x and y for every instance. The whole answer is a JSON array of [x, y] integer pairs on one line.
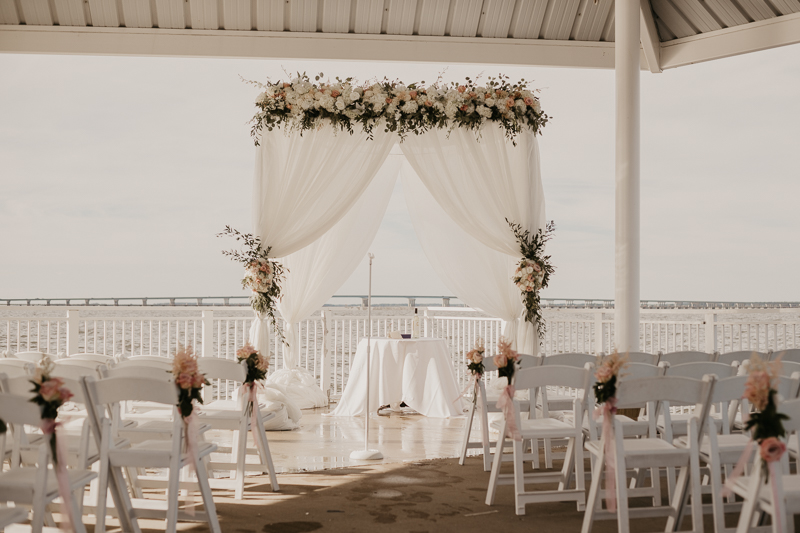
[[117, 172]]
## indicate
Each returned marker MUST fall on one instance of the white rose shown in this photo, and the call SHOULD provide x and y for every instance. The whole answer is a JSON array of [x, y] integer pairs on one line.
[[537, 106], [305, 104], [354, 96], [340, 105], [262, 98], [410, 107], [484, 111], [490, 102]]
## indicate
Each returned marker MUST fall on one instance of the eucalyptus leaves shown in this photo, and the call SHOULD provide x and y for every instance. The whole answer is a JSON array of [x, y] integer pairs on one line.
[[263, 276], [533, 270]]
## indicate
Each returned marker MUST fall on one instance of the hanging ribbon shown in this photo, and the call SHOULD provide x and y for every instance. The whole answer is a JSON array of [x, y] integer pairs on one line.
[[252, 398], [474, 385], [608, 410], [49, 427], [506, 403], [192, 434], [738, 470], [773, 481]]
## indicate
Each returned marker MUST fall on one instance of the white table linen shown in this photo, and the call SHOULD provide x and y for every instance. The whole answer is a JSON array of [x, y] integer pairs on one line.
[[415, 371]]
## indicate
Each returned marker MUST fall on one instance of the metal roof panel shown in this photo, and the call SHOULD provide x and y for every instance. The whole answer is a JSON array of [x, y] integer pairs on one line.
[[757, 9], [37, 12], [169, 13], [204, 15], [726, 12], [673, 19], [336, 16], [236, 15], [559, 19], [8, 12], [526, 22], [400, 17], [137, 14], [787, 7], [70, 12], [104, 13], [302, 15], [495, 18], [433, 17], [698, 14], [369, 15], [590, 20], [269, 15], [463, 19]]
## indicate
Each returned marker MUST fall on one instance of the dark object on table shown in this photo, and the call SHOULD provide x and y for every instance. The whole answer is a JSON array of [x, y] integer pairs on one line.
[[406, 335]]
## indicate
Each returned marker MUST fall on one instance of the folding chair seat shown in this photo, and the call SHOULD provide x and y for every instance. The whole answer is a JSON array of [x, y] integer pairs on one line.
[[680, 358], [36, 486], [485, 403], [653, 453], [238, 420], [31, 357], [545, 428], [103, 396]]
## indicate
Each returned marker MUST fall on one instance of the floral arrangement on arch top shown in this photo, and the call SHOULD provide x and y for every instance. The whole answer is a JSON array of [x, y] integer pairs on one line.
[[401, 108]]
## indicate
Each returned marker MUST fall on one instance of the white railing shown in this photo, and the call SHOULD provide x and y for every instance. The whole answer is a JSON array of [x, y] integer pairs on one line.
[[329, 338]]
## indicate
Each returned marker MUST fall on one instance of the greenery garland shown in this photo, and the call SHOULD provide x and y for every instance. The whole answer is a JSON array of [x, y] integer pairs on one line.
[[401, 108], [533, 271], [263, 275]]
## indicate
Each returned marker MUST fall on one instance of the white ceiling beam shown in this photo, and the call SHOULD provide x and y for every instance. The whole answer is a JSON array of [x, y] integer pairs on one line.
[[651, 43], [738, 40], [291, 45]]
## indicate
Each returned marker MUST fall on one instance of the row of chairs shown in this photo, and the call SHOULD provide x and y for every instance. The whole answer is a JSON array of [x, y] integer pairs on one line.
[[127, 421], [660, 440]]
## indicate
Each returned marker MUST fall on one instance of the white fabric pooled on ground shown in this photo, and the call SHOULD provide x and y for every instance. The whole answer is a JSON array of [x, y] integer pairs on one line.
[[299, 386]]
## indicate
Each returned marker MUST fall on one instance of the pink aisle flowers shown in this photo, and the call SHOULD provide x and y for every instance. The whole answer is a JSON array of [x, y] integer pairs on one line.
[[188, 379], [475, 358], [605, 394], [506, 359]]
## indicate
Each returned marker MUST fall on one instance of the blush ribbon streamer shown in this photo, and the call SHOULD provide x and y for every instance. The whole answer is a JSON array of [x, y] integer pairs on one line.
[[608, 410], [49, 427], [506, 403]]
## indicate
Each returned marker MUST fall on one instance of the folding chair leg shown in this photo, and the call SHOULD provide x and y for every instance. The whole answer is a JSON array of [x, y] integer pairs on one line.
[[208, 498], [697, 493], [519, 478], [655, 482], [594, 492], [173, 486], [623, 518], [487, 452], [496, 462], [260, 437], [102, 500], [580, 478], [678, 500], [77, 514], [240, 452], [467, 431]]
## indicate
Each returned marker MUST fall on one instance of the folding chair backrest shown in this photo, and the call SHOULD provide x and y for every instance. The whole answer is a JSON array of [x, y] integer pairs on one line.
[[740, 356], [16, 367], [791, 408], [121, 389], [145, 361], [488, 364], [788, 368], [18, 385], [157, 372], [75, 369], [641, 370], [91, 357], [728, 394], [679, 358], [225, 369], [788, 387], [792, 355], [527, 361], [31, 357], [669, 390], [15, 409], [641, 357], [577, 360], [698, 370], [553, 376]]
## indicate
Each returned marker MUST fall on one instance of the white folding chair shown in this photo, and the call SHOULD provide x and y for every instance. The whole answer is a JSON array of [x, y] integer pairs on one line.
[[680, 358], [642, 357], [149, 361], [740, 356], [171, 454], [36, 486], [757, 492], [238, 420], [12, 515], [545, 428], [92, 357], [651, 452]]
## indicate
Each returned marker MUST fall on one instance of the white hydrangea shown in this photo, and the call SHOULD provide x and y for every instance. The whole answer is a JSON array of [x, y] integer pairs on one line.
[[484, 111], [262, 99], [537, 106], [410, 107], [490, 102], [450, 109]]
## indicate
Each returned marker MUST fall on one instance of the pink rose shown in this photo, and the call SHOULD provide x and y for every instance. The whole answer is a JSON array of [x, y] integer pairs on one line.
[[184, 381], [528, 101], [461, 88], [49, 390], [772, 449], [536, 267], [477, 357], [603, 374], [499, 360], [413, 94], [65, 394]]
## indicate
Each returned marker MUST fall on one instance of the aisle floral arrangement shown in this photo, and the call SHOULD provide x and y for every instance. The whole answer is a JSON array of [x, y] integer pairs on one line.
[[605, 395], [765, 424], [257, 366], [263, 275], [506, 359], [533, 271], [475, 359], [188, 379], [397, 107], [50, 394]]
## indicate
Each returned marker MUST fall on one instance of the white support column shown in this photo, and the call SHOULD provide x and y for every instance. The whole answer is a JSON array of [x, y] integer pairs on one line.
[[626, 56]]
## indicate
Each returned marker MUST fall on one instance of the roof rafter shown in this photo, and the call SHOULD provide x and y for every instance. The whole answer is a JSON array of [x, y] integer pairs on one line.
[[651, 43], [752, 37]]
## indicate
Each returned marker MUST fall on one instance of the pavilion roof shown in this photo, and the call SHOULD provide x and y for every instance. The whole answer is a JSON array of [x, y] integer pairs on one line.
[[571, 33]]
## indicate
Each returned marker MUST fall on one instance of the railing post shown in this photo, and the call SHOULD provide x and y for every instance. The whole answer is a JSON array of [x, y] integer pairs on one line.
[[598, 331], [325, 373], [425, 322], [208, 333], [73, 330], [711, 333]]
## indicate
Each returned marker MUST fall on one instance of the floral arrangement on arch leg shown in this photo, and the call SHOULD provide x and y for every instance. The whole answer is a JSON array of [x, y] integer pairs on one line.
[[533, 271], [506, 359], [257, 366], [605, 395], [263, 276], [50, 394]]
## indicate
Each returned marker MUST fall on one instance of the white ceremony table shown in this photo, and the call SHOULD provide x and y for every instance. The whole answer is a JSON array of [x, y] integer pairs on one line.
[[415, 371]]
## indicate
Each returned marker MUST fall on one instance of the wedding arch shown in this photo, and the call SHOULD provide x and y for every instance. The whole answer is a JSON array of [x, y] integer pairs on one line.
[[324, 176]]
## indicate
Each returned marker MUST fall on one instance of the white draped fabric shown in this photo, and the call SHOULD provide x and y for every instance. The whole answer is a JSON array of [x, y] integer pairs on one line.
[[318, 270], [478, 275], [304, 184], [481, 181]]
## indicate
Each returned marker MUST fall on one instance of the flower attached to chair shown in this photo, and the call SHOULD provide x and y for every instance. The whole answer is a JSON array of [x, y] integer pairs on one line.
[[263, 275], [505, 359], [606, 377], [257, 364], [475, 358], [766, 423], [188, 379], [533, 271]]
